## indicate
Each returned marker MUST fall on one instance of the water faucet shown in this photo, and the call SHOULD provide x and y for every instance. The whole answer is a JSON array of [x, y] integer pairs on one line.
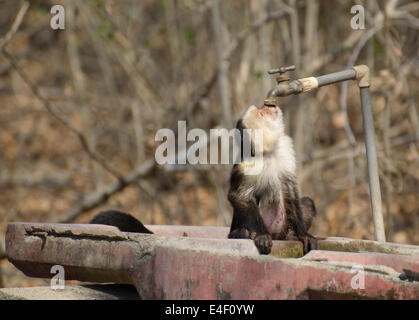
[[285, 87]]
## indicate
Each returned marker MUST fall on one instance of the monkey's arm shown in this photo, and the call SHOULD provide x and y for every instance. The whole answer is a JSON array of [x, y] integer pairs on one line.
[[246, 216], [247, 222]]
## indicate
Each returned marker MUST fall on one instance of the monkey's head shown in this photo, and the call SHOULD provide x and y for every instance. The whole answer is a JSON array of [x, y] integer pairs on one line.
[[267, 119]]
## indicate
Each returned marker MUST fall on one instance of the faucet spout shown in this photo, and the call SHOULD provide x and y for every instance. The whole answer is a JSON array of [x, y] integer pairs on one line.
[[285, 89]]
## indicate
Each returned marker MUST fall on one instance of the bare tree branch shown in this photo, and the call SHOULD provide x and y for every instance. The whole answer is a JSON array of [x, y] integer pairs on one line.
[[15, 26], [54, 111], [98, 197], [205, 89], [223, 83]]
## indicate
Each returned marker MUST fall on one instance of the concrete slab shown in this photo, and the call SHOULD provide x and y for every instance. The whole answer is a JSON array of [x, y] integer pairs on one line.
[[358, 245], [190, 231], [205, 267], [398, 262], [214, 276]]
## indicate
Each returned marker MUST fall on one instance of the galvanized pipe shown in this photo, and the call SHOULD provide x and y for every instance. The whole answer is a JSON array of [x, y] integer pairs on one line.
[[308, 84], [361, 73], [374, 182], [348, 74]]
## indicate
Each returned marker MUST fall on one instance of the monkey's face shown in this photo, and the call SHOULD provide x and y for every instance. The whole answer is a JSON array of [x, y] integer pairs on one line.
[[267, 119], [272, 116], [263, 117]]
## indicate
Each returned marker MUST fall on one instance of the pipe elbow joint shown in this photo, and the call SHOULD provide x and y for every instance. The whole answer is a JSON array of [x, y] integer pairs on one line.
[[362, 74]]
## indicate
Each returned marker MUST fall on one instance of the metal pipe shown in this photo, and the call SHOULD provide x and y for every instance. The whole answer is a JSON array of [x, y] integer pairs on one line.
[[348, 74], [307, 84], [374, 182]]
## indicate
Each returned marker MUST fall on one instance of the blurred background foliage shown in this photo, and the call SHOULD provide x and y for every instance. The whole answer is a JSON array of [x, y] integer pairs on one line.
[[121, 70]]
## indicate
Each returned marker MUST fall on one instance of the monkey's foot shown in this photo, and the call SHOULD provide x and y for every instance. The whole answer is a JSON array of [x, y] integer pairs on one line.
[[264, 243], [309, 243]]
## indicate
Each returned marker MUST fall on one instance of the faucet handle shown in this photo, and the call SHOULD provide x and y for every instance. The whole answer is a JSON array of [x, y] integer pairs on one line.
[[284, 87], [282, 70]]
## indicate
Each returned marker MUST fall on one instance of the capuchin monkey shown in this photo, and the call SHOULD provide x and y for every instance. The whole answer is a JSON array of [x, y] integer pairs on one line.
[[266, 205]]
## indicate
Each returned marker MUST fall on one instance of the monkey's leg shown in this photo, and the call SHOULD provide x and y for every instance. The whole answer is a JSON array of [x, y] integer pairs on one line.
[[248, 224], [308, 210]]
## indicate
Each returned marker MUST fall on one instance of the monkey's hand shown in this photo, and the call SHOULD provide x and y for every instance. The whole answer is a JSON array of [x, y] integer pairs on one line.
[[263, 242]]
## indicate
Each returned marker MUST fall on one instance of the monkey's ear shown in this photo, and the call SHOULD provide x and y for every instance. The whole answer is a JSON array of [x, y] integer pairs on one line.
[[239, 125], [244, 136], [239, 136]]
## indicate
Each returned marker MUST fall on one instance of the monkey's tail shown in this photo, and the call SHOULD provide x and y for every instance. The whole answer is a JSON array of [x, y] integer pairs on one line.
[[123, 221]]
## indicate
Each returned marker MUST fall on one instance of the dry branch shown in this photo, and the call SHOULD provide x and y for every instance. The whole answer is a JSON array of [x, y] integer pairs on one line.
[[54, 111], [204, 90], [15, 26], [98, 197], [223, 83]]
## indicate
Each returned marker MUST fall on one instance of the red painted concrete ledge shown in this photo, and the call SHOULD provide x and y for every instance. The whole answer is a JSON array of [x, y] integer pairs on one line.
[[180, 262]]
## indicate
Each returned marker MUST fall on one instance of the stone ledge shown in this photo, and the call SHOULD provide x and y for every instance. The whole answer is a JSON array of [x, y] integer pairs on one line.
[[199, 263]]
